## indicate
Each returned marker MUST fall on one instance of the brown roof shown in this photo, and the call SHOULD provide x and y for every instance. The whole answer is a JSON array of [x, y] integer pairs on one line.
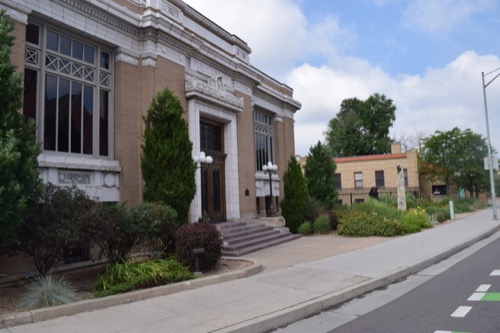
[[369, 158]]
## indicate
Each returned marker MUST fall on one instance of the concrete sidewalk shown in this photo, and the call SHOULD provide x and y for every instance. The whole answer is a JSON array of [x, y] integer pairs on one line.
[[300, 278]]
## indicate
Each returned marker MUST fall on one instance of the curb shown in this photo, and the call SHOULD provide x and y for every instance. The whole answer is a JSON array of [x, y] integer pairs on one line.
[[33, 316]]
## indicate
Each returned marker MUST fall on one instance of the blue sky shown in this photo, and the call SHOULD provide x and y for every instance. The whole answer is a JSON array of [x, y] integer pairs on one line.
[[426, 55]]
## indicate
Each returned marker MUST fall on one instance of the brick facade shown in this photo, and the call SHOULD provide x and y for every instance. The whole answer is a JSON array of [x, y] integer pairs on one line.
[[165, 44]]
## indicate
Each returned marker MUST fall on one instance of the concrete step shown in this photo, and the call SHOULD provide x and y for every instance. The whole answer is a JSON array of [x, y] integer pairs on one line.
[[242, 237], [260, 246]]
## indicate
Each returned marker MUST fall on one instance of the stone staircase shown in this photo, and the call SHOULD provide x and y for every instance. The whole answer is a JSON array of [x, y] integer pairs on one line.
[[242, 237]]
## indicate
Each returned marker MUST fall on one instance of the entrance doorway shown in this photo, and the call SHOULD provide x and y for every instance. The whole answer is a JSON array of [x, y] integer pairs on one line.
[[213, 197]]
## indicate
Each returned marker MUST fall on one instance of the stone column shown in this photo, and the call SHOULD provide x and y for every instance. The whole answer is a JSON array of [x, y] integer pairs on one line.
[[401, 188]]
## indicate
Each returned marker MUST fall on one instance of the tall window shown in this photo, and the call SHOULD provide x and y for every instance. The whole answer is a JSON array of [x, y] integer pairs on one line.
[[405, 171], [263, 139], [68, 92], [379, 178], [338, 181], [358, 180]]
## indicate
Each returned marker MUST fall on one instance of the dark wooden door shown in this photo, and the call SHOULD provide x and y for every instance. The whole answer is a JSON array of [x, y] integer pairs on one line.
[[213, 199]]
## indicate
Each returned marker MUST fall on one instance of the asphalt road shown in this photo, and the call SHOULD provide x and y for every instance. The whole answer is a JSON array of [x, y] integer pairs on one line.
[[447, 297], [444, 302]]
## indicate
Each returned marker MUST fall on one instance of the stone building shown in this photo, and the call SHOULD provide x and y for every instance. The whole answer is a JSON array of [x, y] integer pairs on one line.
[[91, 69], [356, 176]]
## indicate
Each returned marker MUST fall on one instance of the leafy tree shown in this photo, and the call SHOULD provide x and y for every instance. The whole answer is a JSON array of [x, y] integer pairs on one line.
[[320, 175], [456, 156], [167, 167], [294, 206], [20, 184], [56, 222], [361, 127]]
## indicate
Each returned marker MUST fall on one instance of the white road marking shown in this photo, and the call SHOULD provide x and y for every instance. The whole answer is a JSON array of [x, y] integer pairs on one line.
[[476, 297], [461, 311], [443, 332], [483, 288], [496, 272]]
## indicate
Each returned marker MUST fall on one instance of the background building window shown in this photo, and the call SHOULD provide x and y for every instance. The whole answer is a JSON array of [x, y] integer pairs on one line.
[[379, 178], [338, 180], [439, 189], [74, 110], [405, 171], [358, 180], [263, 139]]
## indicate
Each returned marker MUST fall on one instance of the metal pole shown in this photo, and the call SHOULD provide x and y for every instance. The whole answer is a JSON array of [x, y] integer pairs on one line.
[[490, 158], [270, 193]]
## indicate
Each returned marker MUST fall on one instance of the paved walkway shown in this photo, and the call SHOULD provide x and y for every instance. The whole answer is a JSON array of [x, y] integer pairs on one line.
[[299, 279]]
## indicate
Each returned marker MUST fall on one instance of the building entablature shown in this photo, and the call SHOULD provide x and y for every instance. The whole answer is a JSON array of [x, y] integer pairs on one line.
[[214, 92]]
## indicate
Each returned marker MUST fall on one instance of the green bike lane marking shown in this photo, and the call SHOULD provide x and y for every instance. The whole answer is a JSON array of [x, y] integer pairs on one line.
[[492, 297]]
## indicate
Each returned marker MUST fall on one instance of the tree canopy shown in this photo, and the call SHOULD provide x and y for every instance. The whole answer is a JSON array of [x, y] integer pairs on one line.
[[361, 127], [167, 166], [20, 184], [320, 175], [456, 156]]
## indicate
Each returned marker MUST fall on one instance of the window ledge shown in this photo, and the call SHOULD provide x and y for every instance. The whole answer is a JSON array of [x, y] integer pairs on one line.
[[77, 163]]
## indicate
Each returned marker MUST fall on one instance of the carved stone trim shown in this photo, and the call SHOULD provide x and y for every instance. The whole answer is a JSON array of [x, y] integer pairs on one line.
[[73, 177], [215, 89], [16, 15]]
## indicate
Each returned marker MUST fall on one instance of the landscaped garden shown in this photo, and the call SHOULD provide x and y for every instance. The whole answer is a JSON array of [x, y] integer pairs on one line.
[[382, 218], [143, 246]]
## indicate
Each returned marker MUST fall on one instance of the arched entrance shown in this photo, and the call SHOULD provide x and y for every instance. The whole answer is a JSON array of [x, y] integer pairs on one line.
[[213, 197]]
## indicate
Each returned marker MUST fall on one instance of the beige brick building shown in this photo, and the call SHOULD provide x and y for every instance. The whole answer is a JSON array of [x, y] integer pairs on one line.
[[356, 176], [91, 69]]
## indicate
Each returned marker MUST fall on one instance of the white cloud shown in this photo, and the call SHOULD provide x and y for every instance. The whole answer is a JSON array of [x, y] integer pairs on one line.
[[440, 99], [440, 17]]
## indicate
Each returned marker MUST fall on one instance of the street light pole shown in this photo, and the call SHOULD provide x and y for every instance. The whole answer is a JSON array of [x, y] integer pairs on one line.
[[490, 157], [270, 168], [202, 160]]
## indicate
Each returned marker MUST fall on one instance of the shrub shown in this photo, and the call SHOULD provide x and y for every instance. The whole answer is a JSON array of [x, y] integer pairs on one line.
[[334, 221], [114, 231], [56, 222], [197, 235], [372, 206], [47, 291], [125, 277], [363, 224], [463, 206], [305, 229], [441, 213], [159, 222], [322, 225], [415, 220]]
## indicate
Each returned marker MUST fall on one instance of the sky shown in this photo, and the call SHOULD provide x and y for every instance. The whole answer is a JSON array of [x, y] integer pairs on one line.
[[425, 55]]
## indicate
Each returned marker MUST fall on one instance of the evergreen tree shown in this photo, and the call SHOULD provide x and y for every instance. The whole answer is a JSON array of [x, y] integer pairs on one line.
[[294, 207], [20, 184], [167, 167], [320, 175]]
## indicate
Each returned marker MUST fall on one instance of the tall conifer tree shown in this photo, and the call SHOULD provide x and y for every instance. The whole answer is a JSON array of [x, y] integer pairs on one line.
[[294, 206], [167, 167], [320, 175]]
